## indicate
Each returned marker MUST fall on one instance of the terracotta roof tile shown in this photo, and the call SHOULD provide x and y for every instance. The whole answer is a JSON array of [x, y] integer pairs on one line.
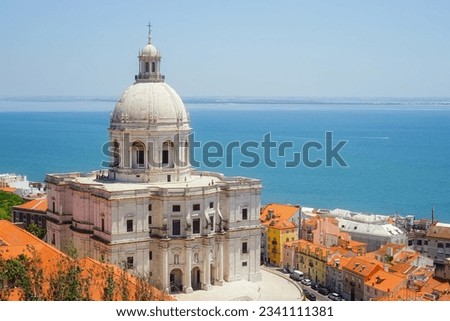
[[36, 205]]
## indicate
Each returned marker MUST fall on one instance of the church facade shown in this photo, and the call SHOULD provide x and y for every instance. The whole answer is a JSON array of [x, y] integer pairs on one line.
[[151, 212]]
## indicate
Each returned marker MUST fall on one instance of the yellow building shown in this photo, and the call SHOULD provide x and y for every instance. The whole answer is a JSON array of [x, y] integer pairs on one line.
[[312, 261], [278, 232]]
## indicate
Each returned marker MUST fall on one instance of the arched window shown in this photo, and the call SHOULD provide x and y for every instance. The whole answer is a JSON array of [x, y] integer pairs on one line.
[[138, 154], [167, 156], [115, 153]]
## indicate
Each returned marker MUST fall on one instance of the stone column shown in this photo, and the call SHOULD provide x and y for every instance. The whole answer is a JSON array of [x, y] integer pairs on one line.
[[165, 280], [206, 283], [188, 267], [220, 262]]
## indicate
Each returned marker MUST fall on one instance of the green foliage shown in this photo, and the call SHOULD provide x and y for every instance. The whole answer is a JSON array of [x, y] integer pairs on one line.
[[7, 201], [36, 230], [108, 291]]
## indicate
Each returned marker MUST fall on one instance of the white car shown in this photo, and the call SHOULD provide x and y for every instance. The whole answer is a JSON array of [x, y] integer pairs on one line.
[[306, 282]]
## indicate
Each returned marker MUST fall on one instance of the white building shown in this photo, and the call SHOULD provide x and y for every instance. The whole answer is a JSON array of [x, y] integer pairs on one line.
[[152, 212], [375, 235]]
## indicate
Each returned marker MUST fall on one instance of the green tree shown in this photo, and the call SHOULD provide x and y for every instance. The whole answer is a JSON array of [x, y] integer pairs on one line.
[[7, 201], [36, 230]]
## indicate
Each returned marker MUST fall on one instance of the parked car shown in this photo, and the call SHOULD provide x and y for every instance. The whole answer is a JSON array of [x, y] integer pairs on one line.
[[309, 295], [323, 291], [296, 275], [315, 286], [334, 296], [306, 282]]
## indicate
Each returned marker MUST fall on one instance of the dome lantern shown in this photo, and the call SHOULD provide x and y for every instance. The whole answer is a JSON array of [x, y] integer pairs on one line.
[[149, 62]]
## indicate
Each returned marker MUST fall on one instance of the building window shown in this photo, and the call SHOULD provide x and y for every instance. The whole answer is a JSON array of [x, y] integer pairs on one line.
[[147, 67], [244, 263], [149, 207], [140, 158], [419, 242], [169, 178], [176, 227], [130, 262], [129, 225], [153, 67], [53, 239], [149, 220], [440, 245], [165, 157], [196, 207], [425, 242], [53, 207], [244, 247], [150, 255], [103, 224], [211, 219], [244, 214], [447, 245], [211, 204], [176, 208], [196, 226]]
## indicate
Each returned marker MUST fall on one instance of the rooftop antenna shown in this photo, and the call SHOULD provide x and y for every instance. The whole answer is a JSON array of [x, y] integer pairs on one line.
[[149, 33], [432, 215]]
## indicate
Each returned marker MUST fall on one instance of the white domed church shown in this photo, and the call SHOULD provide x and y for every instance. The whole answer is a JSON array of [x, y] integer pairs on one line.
[[151, 212]]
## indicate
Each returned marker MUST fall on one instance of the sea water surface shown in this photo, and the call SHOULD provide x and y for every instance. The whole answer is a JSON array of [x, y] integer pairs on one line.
[[397, 152]]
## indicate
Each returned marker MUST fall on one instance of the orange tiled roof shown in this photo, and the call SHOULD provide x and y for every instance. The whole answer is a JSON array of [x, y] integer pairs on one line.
[[8, 189], [280, 224], [383, 250], [15, 241], [281, 211], [441, 232], [39, 204], [385, 281], [304, 245], [403, 294], [363, 266]]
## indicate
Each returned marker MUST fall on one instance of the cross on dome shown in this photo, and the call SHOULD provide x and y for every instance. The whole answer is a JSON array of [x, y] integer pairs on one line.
[[149, 33]]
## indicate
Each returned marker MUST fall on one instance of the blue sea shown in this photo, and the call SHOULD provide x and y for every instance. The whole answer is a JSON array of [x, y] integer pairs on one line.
[[397, 151]]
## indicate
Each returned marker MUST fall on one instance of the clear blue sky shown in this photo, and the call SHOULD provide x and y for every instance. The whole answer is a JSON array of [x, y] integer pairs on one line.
[[229, 48]]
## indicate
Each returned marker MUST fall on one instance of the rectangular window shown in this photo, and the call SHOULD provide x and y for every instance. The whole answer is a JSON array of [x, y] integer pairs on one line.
[[130, 262], [419, 242], [53, 207], [244, 247], [176, 208], [244, 214], [176, 227], [140, 158], [211, 219], [196, 226], [153, 67], [149, 220], [447, 245], [440, 245], [129, 225], [53, 239], [103, 224], [425, 242], [149, 207], [196, 207], [211, 204], [150, 255], [147, 67], [244, 263], [165, 157]]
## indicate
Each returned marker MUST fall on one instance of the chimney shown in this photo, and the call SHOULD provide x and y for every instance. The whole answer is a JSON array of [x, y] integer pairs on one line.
[[390, 251], [432, 215]]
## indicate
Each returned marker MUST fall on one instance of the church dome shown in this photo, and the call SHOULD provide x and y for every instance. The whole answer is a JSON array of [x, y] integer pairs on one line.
[[150, 51], [149, 102]]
